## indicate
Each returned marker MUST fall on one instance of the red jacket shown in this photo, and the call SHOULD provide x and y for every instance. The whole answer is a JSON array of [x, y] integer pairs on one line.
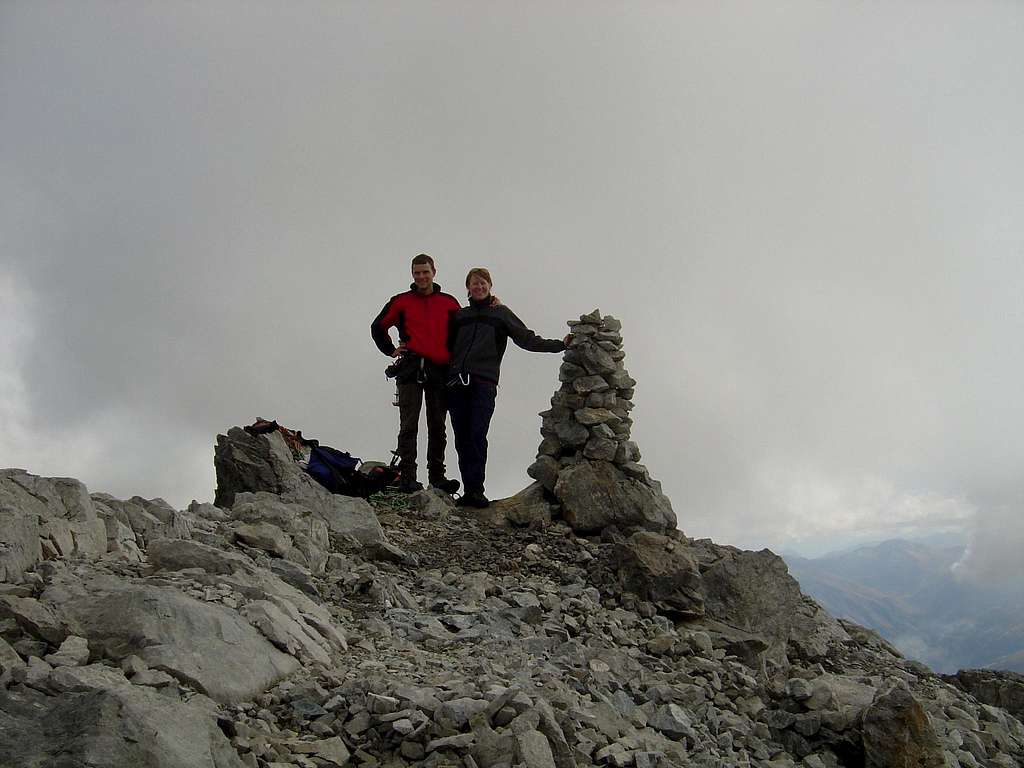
[[422, 323]]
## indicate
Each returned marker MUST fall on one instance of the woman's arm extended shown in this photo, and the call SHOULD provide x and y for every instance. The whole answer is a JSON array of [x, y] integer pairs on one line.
[[527, 339]]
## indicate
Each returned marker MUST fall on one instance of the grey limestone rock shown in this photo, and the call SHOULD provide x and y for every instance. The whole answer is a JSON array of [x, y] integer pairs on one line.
[[997, 688], [600, 449], [35, 673], [285, 632], [454, 715], [621, 380], [595, 495], [545, 471], [431, 504], [147, 519], [588, 384], [332, 750], [627, 452], [245, 462], [93, 677], [533, 750], [294, 574], [672, 720], [20, 547], [206, 645], [550, 446], [44, 517], [529, 507], [834, 692], [594, 359], [9, 659], [73, 652], [754, 592], [571, 433], [264, 536], [349, 517], [570, 371], [177, 554], [34, 617], [114, 725], [588, 417], [254, 463], [308, 531], [897, 732], [659, 570], [531, 644]]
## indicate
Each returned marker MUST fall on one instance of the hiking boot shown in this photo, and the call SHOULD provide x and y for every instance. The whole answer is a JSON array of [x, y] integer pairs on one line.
[[446, 485], [473, 499], [409, 485]]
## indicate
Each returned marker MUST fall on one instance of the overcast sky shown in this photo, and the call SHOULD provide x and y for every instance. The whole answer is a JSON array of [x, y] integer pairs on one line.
[[809, 217]]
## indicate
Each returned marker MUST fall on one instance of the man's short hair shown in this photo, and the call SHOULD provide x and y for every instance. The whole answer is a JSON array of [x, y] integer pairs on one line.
[[424, 259], [479, 272]]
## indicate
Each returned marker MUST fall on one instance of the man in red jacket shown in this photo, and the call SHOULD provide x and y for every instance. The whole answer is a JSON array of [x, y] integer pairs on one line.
[[421, 316]]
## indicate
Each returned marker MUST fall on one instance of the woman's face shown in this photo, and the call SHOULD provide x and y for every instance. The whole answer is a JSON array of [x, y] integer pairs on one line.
[[479, 288]]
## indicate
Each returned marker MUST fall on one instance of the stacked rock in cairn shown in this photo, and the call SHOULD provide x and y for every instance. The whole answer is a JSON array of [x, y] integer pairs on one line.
[[586, 444]]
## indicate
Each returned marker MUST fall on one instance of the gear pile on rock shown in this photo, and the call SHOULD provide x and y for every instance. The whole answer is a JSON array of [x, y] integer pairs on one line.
[[289, 627]]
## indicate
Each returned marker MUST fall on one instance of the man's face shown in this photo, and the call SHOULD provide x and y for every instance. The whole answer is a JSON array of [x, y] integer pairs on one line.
[[423, 276]]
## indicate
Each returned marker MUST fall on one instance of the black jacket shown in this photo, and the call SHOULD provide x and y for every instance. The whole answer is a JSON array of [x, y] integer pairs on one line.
[[479, 333]]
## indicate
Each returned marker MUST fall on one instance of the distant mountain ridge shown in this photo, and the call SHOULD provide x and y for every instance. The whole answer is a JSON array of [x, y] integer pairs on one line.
[[906, 590]]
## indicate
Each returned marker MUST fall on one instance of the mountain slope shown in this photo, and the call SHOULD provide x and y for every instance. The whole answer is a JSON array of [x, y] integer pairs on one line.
[[907, 592]]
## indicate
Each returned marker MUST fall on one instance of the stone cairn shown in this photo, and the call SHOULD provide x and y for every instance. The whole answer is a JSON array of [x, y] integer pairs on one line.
[[589, 422]]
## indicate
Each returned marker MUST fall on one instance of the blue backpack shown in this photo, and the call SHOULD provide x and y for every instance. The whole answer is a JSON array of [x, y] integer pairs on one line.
[[337, 471]]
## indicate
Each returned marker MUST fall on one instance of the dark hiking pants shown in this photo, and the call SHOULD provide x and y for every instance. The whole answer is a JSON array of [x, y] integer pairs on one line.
[[410, 400], [471, 407]]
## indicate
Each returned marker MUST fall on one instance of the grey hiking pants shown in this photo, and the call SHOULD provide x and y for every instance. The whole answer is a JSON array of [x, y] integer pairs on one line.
[[410, 401]]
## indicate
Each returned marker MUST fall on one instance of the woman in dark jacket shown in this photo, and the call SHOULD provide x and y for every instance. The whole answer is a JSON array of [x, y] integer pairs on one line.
[[477, 336]]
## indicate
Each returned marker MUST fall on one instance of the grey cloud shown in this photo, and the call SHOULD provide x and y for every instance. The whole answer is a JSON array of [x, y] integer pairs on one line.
[[807, 219], [994, 547]]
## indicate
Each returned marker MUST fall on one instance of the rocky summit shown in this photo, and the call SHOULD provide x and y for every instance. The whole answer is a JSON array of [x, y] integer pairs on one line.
[[572, 624]]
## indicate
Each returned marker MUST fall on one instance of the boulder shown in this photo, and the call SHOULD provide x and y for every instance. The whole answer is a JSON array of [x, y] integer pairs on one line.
[[34, 618], [310, 538], [116, 726], [148, 519], [245, 462], [836, 692], [57, 511], [897, 733], [264, 536], [121, 539], [529, 507], [532, 750], [73, 652], [595, 495], [261, 584], [754, 592], [19, 543], [659, 570], [869, 638], [351, 518], [285, 632], [255, 463], [996, 688], [205, 645], [9, 659], [177, 555], [744, 645]]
